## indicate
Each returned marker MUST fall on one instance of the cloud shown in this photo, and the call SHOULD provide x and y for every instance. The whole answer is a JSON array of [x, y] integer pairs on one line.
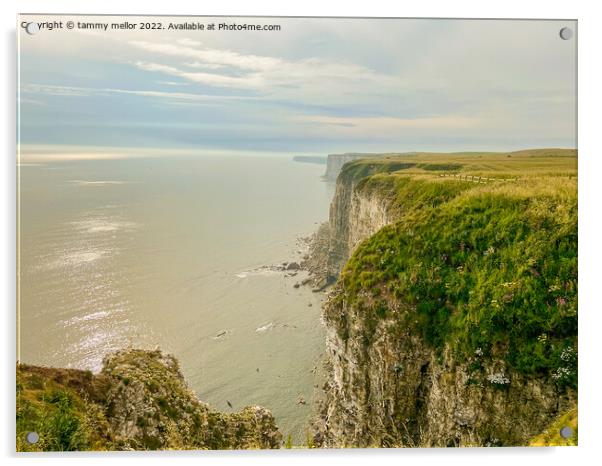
[[319, 83], [209, 55], [172, 83], [252, 81], [390, 124], [23, 100], [71, 91], [189, 42], [207, 66], [32, 154], [268, 74]]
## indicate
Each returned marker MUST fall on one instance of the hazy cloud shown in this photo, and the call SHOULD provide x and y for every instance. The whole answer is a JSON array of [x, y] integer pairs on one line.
[[318, 85], [70, 91]]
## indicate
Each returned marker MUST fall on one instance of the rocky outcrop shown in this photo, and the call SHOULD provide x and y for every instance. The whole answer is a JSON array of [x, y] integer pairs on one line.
[[139, 401], [150, 406]]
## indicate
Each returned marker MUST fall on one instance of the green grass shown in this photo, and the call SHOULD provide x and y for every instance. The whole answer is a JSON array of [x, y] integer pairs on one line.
[[476, 267], [59, 410], [357, 170]]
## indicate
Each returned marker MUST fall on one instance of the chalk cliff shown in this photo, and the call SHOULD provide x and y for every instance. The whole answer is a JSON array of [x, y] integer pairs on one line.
[[453, 320]]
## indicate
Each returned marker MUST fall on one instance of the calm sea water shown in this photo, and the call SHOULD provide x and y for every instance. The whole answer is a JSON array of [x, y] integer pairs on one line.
[[168, 252]]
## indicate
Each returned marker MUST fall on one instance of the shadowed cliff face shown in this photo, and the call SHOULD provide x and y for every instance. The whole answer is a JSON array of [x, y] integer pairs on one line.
[[395, 390], [453, 321], [139, 401]]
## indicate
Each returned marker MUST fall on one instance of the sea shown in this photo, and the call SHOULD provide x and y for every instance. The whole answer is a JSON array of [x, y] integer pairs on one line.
[[183, 254]]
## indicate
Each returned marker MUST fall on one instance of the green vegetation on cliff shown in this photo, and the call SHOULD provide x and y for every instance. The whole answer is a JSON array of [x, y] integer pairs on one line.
[[61, 405], [486, 268], [139, 401]]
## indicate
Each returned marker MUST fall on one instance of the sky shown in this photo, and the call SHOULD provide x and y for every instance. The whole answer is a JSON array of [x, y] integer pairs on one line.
[[316, 86]]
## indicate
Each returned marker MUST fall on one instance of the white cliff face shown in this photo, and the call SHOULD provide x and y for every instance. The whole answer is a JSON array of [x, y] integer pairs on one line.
[[388, 388], [368, 214], [354, 216]]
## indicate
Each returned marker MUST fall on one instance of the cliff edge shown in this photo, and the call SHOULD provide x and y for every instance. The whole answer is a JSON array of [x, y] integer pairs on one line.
[[453, 320]]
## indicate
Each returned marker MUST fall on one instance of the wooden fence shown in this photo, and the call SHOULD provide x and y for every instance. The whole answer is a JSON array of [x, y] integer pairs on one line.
[[474, 179]]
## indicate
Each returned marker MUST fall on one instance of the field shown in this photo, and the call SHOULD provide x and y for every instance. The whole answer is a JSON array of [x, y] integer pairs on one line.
[[524, 163]]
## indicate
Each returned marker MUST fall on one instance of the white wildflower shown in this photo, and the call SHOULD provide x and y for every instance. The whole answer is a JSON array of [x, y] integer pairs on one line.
[[561, 373], [498, 379], [567, 354]]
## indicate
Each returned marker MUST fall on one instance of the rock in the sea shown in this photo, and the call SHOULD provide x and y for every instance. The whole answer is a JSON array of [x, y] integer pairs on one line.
[[293, 266]]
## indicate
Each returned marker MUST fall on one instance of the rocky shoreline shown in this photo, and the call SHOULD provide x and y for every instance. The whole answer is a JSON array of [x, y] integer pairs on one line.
[[315, 262], [311, 267]]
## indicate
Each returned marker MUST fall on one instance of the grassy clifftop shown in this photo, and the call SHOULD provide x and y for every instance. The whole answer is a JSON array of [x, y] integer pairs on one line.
[[139, 401], [524, 163], [485, 267], [482, 268]]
